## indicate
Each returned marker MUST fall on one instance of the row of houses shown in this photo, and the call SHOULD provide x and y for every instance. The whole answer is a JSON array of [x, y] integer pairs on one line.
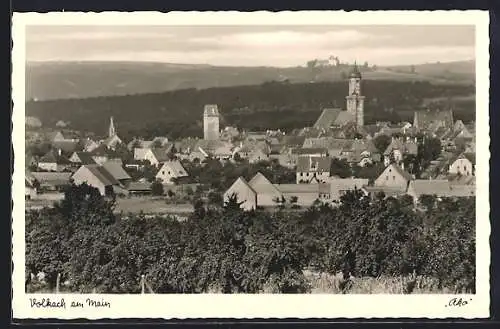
[[394, 181]]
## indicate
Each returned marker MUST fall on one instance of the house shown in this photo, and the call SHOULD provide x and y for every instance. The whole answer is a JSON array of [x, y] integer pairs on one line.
[[244, 193], [267, 193], [66, 146], [52, 181], [97, 176], [89, 145], [139, 188], [59, 136], [313, 167], [439, 188], [305, 194], [29, 187], [81, 158], [339, 186], [393, 177], [332, 145], [157, 142], [155, 156], [171, 170], [464, 165], [102, 154], [399, 149], [214, 148], [360, 151], [116, 170], [253, 151], [53, 161], [112, 142], [428, 120]]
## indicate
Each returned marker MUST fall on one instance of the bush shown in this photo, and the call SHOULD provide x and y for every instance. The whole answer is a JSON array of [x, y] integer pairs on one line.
[[157, 188]]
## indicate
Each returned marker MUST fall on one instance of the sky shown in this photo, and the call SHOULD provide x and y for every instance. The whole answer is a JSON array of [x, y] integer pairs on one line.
[[279, 46]]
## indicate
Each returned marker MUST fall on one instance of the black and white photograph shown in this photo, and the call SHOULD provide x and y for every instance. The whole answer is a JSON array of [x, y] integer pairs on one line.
[[258, 158]]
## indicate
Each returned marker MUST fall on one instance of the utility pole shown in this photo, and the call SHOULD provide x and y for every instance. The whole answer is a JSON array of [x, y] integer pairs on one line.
[[142, 283], [58, 281]]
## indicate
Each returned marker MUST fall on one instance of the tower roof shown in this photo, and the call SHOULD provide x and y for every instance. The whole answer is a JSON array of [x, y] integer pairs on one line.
[[355, 72], [211, 110]]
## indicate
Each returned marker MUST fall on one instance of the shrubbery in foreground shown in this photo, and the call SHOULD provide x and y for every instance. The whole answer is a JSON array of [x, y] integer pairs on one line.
[[228, 250]]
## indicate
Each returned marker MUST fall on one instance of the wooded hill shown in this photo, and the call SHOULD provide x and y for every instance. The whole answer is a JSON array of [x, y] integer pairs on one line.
[[54, 80], [266, 106]]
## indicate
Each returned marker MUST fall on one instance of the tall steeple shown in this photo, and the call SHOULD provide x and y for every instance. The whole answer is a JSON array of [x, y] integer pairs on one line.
[[355, 100], [112, 131]]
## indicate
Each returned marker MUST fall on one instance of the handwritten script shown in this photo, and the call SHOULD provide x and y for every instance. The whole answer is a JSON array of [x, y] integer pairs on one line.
[[458, 302], [61, 303]]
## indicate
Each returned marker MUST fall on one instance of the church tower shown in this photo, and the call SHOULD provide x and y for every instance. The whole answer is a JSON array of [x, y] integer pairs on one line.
[[111, 131], [355, 101], [211, 122]]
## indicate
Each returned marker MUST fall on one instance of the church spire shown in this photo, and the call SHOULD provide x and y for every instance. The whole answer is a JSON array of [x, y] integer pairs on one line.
[[112, 131]]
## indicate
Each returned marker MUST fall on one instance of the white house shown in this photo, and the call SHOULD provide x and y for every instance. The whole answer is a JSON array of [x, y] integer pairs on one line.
[[170, 170], [463, 165]]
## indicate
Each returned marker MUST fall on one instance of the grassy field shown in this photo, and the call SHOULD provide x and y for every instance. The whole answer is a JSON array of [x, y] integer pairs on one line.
[[150, 206], [134, 205], [323, 283]]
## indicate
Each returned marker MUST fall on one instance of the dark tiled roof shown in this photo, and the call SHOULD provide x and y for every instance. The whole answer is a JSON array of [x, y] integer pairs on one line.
[[313, 164], [327, 118]]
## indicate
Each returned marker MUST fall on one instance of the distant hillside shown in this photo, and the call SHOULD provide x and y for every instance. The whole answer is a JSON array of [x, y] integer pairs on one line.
[[59, 80], [266, 106]]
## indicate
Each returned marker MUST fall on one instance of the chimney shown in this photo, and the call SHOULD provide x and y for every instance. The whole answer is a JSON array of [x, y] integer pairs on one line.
[[59, 152]]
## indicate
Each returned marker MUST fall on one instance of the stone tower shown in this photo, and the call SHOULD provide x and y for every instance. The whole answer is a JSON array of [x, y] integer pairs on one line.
[[211, 122], [111, 131], [355, 101]]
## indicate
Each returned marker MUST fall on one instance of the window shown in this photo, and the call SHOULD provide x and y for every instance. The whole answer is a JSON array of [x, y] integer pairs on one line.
[[465, 168], [393, 177], [163, 172], [386, 177], [169, 172], [301, 174]]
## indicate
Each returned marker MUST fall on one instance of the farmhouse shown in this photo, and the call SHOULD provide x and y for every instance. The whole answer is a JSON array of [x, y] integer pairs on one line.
[[244, 194], [171, 170], [52, 181], [99, 177], [439, 188], [313, 169], [393, 177], [464, 165], [53, 161]]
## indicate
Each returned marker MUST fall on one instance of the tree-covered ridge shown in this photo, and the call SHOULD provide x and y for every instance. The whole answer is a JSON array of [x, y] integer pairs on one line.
[[228, 250], [259, 107]]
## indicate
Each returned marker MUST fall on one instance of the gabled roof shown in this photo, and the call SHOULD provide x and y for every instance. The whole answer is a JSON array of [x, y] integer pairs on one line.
[[309, 150], [430, 120], [261, 184], [327, 118], [313, 164], [53, 157], [298, 188], [441, 188], [344, 118], [161, 154], [102, 175], [52, 178], [241, 181], [176, 167], [329, 143], [401, 171], [116, 170], [85, 158]]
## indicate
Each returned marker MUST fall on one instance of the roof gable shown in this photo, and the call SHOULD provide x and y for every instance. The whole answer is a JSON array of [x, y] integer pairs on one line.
[[261, 184]]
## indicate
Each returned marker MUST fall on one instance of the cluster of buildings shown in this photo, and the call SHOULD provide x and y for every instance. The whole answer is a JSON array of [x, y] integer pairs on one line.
[[337, 134]]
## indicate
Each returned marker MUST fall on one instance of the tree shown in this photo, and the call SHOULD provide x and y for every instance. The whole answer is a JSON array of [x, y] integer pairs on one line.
[[341, 168], [215, 198], [157, 188], [381, 142]]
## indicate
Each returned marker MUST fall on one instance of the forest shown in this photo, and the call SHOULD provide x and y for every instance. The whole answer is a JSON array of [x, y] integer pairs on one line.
[[85, 246], [270, 105]]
